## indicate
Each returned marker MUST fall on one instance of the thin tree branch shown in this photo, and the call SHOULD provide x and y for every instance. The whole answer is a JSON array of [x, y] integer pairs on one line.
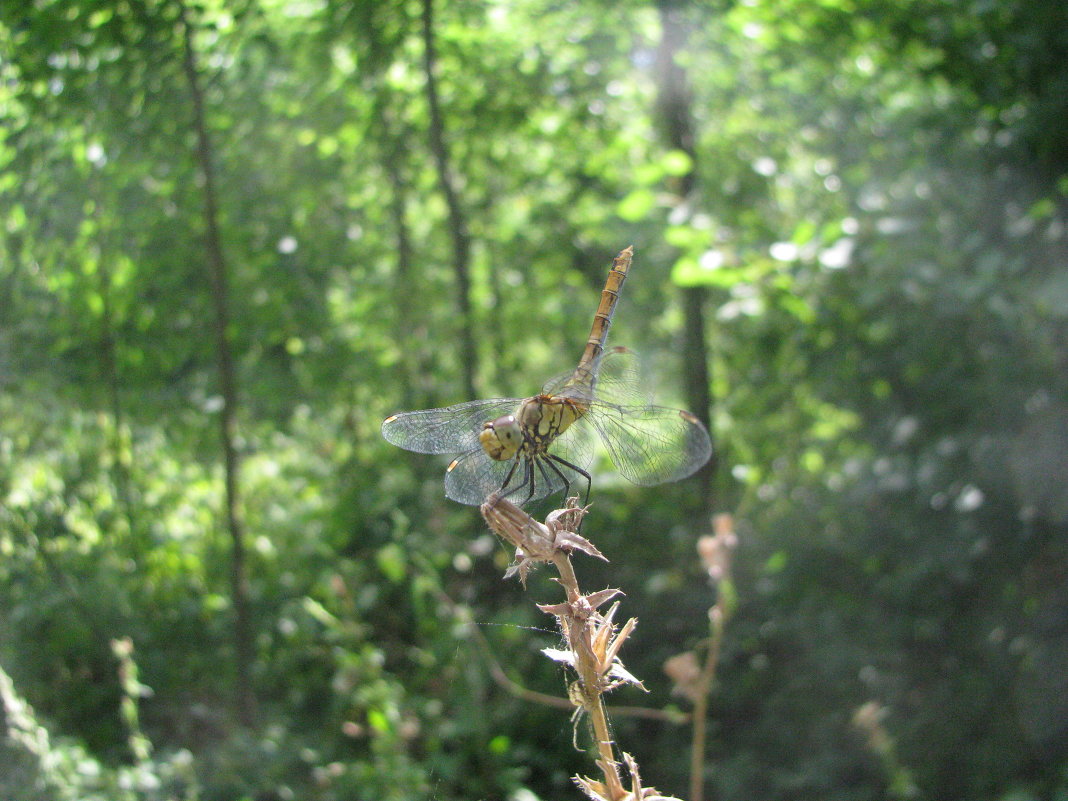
[[109, 362], [392, 156], [461, 241], [217, 276]]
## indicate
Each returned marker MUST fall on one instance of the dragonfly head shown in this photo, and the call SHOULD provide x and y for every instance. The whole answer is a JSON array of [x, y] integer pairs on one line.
[[501, 438]]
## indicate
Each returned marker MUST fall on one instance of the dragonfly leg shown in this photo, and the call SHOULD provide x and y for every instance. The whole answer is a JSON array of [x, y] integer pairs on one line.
[[555, 469], [545, 476], [577, 469], [530, 479], [508, 478]]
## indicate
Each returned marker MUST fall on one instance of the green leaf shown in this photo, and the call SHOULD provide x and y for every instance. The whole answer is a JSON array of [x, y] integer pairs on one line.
[[677, 162], [378, 721], [803, 232], [689, 271], [686, 237], [777, 562], [390, 560], [1043, 209], [637, 205]]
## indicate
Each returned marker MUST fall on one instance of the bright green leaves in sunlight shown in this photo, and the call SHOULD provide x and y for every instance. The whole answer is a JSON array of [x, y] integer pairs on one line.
[[637, 205], [640, 202]]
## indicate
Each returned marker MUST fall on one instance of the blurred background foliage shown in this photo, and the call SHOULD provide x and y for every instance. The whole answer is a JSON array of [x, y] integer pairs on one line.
[[869, 205]]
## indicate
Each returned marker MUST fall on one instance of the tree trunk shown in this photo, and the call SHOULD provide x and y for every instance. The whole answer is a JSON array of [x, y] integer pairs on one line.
[[217, 277], [461, 242], [674, 113], [674, 102], [409, 324]]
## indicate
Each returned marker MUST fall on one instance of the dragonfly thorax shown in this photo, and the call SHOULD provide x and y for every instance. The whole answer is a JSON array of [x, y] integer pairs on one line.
[[537, 422]]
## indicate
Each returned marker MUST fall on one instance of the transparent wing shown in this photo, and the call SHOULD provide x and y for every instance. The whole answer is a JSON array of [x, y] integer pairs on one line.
[[620, 380], [557, 384], [614, 377], [453, 429], [651, 444], [472, 477]]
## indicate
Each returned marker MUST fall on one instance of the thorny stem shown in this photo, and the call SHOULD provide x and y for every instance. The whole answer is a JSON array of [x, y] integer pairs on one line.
[[592, 638], [586, 666]]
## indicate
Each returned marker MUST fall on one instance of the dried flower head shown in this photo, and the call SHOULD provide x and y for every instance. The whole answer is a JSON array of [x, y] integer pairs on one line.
[[537, 542]]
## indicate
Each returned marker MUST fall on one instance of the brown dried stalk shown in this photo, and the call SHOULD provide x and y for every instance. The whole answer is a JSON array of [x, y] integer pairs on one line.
[[694, 679], [593, 641]]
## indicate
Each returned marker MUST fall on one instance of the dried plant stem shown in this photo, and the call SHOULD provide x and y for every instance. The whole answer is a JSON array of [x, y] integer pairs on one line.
[[593, 639], [715, 553], [700, 706], [589, 679]]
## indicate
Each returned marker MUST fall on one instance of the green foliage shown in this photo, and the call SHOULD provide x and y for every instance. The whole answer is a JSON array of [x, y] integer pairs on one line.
[[879, 220], [34, 766]]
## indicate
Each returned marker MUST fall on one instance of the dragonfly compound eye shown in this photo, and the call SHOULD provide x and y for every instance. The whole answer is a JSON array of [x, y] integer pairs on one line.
[[501, 438]]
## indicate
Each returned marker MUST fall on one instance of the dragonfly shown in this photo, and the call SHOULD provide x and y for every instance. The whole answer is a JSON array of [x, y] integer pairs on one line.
[[531, 448]]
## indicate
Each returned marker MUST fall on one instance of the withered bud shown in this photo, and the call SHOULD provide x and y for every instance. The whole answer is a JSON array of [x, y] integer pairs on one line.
[[685, 671], [723, 524], [534, 541], [869, 717], [511, 523], [569, 518], [715, 550], [593, 637]]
